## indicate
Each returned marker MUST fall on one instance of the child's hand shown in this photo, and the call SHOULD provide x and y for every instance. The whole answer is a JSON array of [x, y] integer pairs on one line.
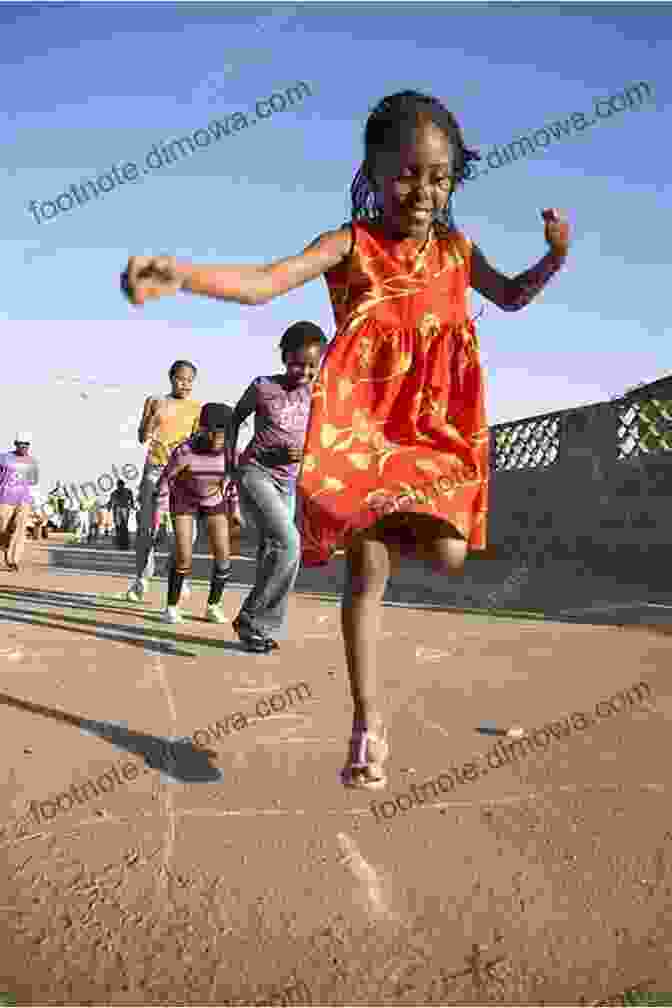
[[283, 455], [556, 231], [150, 277], [236, 516]]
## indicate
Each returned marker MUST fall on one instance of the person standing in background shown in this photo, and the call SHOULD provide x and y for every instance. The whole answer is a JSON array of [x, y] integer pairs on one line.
[[106, 522], [38, 514], [87, 504], [94, 521], [58, 496], [166, 422], [19, 475], [122, 504]]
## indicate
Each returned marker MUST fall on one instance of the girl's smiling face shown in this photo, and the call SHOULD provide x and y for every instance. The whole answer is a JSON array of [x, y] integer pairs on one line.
[[415, 181]]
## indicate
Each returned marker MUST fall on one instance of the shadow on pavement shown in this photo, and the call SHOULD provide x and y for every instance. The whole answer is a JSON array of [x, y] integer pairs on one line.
[[73, 600], [121, 633], [180, 760]]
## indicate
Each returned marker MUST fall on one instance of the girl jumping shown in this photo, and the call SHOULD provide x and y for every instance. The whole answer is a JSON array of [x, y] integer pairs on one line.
[[196, 483], [266, 479], [396, 459]]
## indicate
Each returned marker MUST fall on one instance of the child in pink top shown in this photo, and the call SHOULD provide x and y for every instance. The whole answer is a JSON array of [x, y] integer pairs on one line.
[[195, 483]]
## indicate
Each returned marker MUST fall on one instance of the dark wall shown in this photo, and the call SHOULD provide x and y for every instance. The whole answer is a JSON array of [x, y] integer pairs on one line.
[[594, 505]]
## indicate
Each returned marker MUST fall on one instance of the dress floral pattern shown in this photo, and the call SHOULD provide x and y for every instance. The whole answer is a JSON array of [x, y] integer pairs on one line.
[[397, 420]]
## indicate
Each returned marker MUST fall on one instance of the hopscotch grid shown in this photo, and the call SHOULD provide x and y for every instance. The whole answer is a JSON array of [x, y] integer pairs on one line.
[[251, 813]]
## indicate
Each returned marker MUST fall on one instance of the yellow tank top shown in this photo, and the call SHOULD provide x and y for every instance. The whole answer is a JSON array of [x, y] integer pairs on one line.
[[177, 420]]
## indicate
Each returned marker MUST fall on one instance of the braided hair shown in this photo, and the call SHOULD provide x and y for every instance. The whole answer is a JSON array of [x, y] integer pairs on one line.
[[384, 130]]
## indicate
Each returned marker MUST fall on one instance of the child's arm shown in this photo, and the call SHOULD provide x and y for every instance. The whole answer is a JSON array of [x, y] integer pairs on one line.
[[148, 277], [175, 465], [514, 293], [148, 417], [244, 408], [230, 492]]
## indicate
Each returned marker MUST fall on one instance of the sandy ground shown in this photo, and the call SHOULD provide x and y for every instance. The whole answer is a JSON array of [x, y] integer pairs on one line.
[[235, 876]]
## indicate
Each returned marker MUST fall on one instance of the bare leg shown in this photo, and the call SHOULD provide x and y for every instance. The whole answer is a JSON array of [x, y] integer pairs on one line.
[[218, 534], [370, 559], [369, 563], [18, 537], [6, 516], [439, 544]]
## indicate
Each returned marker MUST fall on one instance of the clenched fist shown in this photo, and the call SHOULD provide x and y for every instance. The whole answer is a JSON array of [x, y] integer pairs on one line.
[[150, 277], [556, 231]]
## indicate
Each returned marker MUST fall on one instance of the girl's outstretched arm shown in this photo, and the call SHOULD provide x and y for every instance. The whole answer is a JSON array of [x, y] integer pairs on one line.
[[514, 293], [149, 277]]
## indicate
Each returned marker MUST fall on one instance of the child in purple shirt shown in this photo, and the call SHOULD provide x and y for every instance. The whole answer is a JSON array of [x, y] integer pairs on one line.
[[266, 476], [18, 483], [196, 483]]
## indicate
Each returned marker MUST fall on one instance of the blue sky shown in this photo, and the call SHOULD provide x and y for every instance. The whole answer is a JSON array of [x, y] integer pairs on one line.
[[87, 87]]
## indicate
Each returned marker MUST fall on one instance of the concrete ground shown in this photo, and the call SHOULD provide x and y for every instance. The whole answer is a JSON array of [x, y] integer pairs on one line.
[[139, 868]]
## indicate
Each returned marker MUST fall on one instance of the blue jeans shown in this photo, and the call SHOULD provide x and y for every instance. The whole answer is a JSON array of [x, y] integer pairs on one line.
[[271, 504]]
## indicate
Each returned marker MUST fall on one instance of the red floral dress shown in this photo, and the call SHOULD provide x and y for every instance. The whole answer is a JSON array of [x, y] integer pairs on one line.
[[397, 421]]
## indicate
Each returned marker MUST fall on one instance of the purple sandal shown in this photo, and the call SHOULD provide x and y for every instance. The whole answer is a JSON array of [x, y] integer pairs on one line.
[[364, 769]]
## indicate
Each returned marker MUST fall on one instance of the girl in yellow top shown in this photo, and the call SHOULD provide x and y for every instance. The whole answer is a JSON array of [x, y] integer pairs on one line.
[[166, 422]]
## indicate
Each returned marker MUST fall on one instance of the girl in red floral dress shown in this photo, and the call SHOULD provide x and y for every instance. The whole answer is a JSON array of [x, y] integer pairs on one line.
[[396, 459]]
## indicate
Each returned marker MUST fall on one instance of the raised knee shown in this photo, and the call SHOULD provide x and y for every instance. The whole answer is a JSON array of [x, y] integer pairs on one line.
[[448, 558], [448, 565]]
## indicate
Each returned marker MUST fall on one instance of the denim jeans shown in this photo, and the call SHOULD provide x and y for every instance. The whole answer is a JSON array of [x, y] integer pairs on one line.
[[270, 503]]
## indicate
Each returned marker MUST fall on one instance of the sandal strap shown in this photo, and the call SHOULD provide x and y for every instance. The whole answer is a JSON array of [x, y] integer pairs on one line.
[[359, 747]]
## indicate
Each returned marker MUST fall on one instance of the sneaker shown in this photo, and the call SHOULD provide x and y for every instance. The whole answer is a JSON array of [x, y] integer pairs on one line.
[[253, 639], [171, 615], [214, 614], [136, 592], [186, 588]]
